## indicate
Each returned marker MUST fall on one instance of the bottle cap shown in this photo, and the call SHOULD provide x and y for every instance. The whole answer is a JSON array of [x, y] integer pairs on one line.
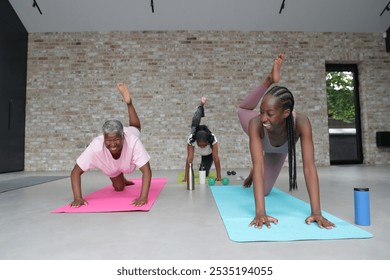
[[361, 189]]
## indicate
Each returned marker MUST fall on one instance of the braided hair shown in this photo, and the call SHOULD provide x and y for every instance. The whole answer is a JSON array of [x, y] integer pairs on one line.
[[287, 100], [202, 133]]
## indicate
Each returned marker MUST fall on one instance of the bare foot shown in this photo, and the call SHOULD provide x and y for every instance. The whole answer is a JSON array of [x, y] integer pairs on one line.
[[128, 183], [124, 91], [274, 76]]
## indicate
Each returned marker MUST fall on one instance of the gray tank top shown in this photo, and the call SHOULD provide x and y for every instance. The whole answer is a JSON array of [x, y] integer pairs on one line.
[[268, 148]]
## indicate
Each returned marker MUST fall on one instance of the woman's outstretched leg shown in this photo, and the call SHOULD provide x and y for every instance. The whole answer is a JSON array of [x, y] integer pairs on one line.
[[126, 95], [198, 115], [120, 181], [246, 112], [246, 108]]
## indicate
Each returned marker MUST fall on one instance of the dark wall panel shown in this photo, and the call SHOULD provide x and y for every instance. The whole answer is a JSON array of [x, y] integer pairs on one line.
[[13, 72]]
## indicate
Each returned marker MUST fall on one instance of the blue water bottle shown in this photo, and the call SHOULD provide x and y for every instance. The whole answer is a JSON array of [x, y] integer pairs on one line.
[[362, 206]]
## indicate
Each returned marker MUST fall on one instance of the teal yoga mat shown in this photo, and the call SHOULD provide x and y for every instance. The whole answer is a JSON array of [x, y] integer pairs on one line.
[[237, 209]]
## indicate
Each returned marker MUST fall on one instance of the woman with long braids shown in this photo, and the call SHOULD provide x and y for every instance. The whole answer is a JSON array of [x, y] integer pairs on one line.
[[272, 136]]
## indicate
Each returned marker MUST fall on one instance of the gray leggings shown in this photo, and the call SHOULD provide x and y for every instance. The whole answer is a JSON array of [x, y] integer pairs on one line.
[[198, 115], [207, 161]]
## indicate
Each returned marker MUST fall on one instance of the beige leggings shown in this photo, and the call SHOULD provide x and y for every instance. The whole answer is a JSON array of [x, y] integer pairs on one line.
[[273, 162]]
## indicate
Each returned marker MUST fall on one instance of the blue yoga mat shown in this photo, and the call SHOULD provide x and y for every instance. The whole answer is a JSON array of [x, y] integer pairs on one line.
[[237, 209]]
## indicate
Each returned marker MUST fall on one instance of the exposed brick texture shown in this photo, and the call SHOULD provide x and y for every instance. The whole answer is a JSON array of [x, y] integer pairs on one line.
[[72, 76]]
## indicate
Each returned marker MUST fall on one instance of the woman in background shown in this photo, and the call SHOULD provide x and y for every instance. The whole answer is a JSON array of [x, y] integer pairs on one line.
[[203, 142]]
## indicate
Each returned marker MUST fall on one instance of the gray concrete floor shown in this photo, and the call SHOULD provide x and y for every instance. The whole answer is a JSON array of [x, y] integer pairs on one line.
[[181, 224]]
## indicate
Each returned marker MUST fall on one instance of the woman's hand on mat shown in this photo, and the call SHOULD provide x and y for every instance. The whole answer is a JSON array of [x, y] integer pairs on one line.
[[78, 202], [321, 221], [140, 201], [261, 220], [247, 182]]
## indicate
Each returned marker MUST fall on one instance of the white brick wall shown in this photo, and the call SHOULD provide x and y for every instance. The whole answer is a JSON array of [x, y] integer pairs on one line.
[[72, 76]]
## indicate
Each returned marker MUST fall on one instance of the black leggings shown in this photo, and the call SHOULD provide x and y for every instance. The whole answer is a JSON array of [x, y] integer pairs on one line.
[[207, 161]]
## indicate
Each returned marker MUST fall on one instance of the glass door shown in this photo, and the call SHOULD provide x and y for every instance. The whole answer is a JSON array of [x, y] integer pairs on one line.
[[342, 89]]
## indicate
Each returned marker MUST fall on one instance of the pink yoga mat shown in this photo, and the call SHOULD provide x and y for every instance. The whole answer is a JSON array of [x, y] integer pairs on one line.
[[108, 200]]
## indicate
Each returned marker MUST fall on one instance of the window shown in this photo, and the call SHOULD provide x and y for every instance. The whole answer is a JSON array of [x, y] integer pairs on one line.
[[342, 89]]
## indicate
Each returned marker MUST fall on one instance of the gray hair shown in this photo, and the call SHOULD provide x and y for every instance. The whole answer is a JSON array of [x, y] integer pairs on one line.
[[113, 126]]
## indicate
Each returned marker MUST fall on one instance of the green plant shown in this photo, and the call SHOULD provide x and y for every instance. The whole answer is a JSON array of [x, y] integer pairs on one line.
[[340, 91]]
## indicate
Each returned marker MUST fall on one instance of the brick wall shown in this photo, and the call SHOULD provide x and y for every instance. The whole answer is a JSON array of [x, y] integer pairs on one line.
[[72, 76]]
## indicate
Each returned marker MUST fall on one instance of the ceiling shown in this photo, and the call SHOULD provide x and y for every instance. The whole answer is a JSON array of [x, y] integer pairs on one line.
[[244, 15]]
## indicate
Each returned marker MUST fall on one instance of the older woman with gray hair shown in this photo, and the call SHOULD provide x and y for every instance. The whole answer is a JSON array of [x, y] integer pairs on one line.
[[116, 152]]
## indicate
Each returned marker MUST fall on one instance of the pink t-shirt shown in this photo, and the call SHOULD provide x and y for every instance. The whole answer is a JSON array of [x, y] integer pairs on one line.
[[133, 155]]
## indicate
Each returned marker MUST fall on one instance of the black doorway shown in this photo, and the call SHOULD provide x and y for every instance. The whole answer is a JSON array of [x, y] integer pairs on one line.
[[345, 142], [13, 71]]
